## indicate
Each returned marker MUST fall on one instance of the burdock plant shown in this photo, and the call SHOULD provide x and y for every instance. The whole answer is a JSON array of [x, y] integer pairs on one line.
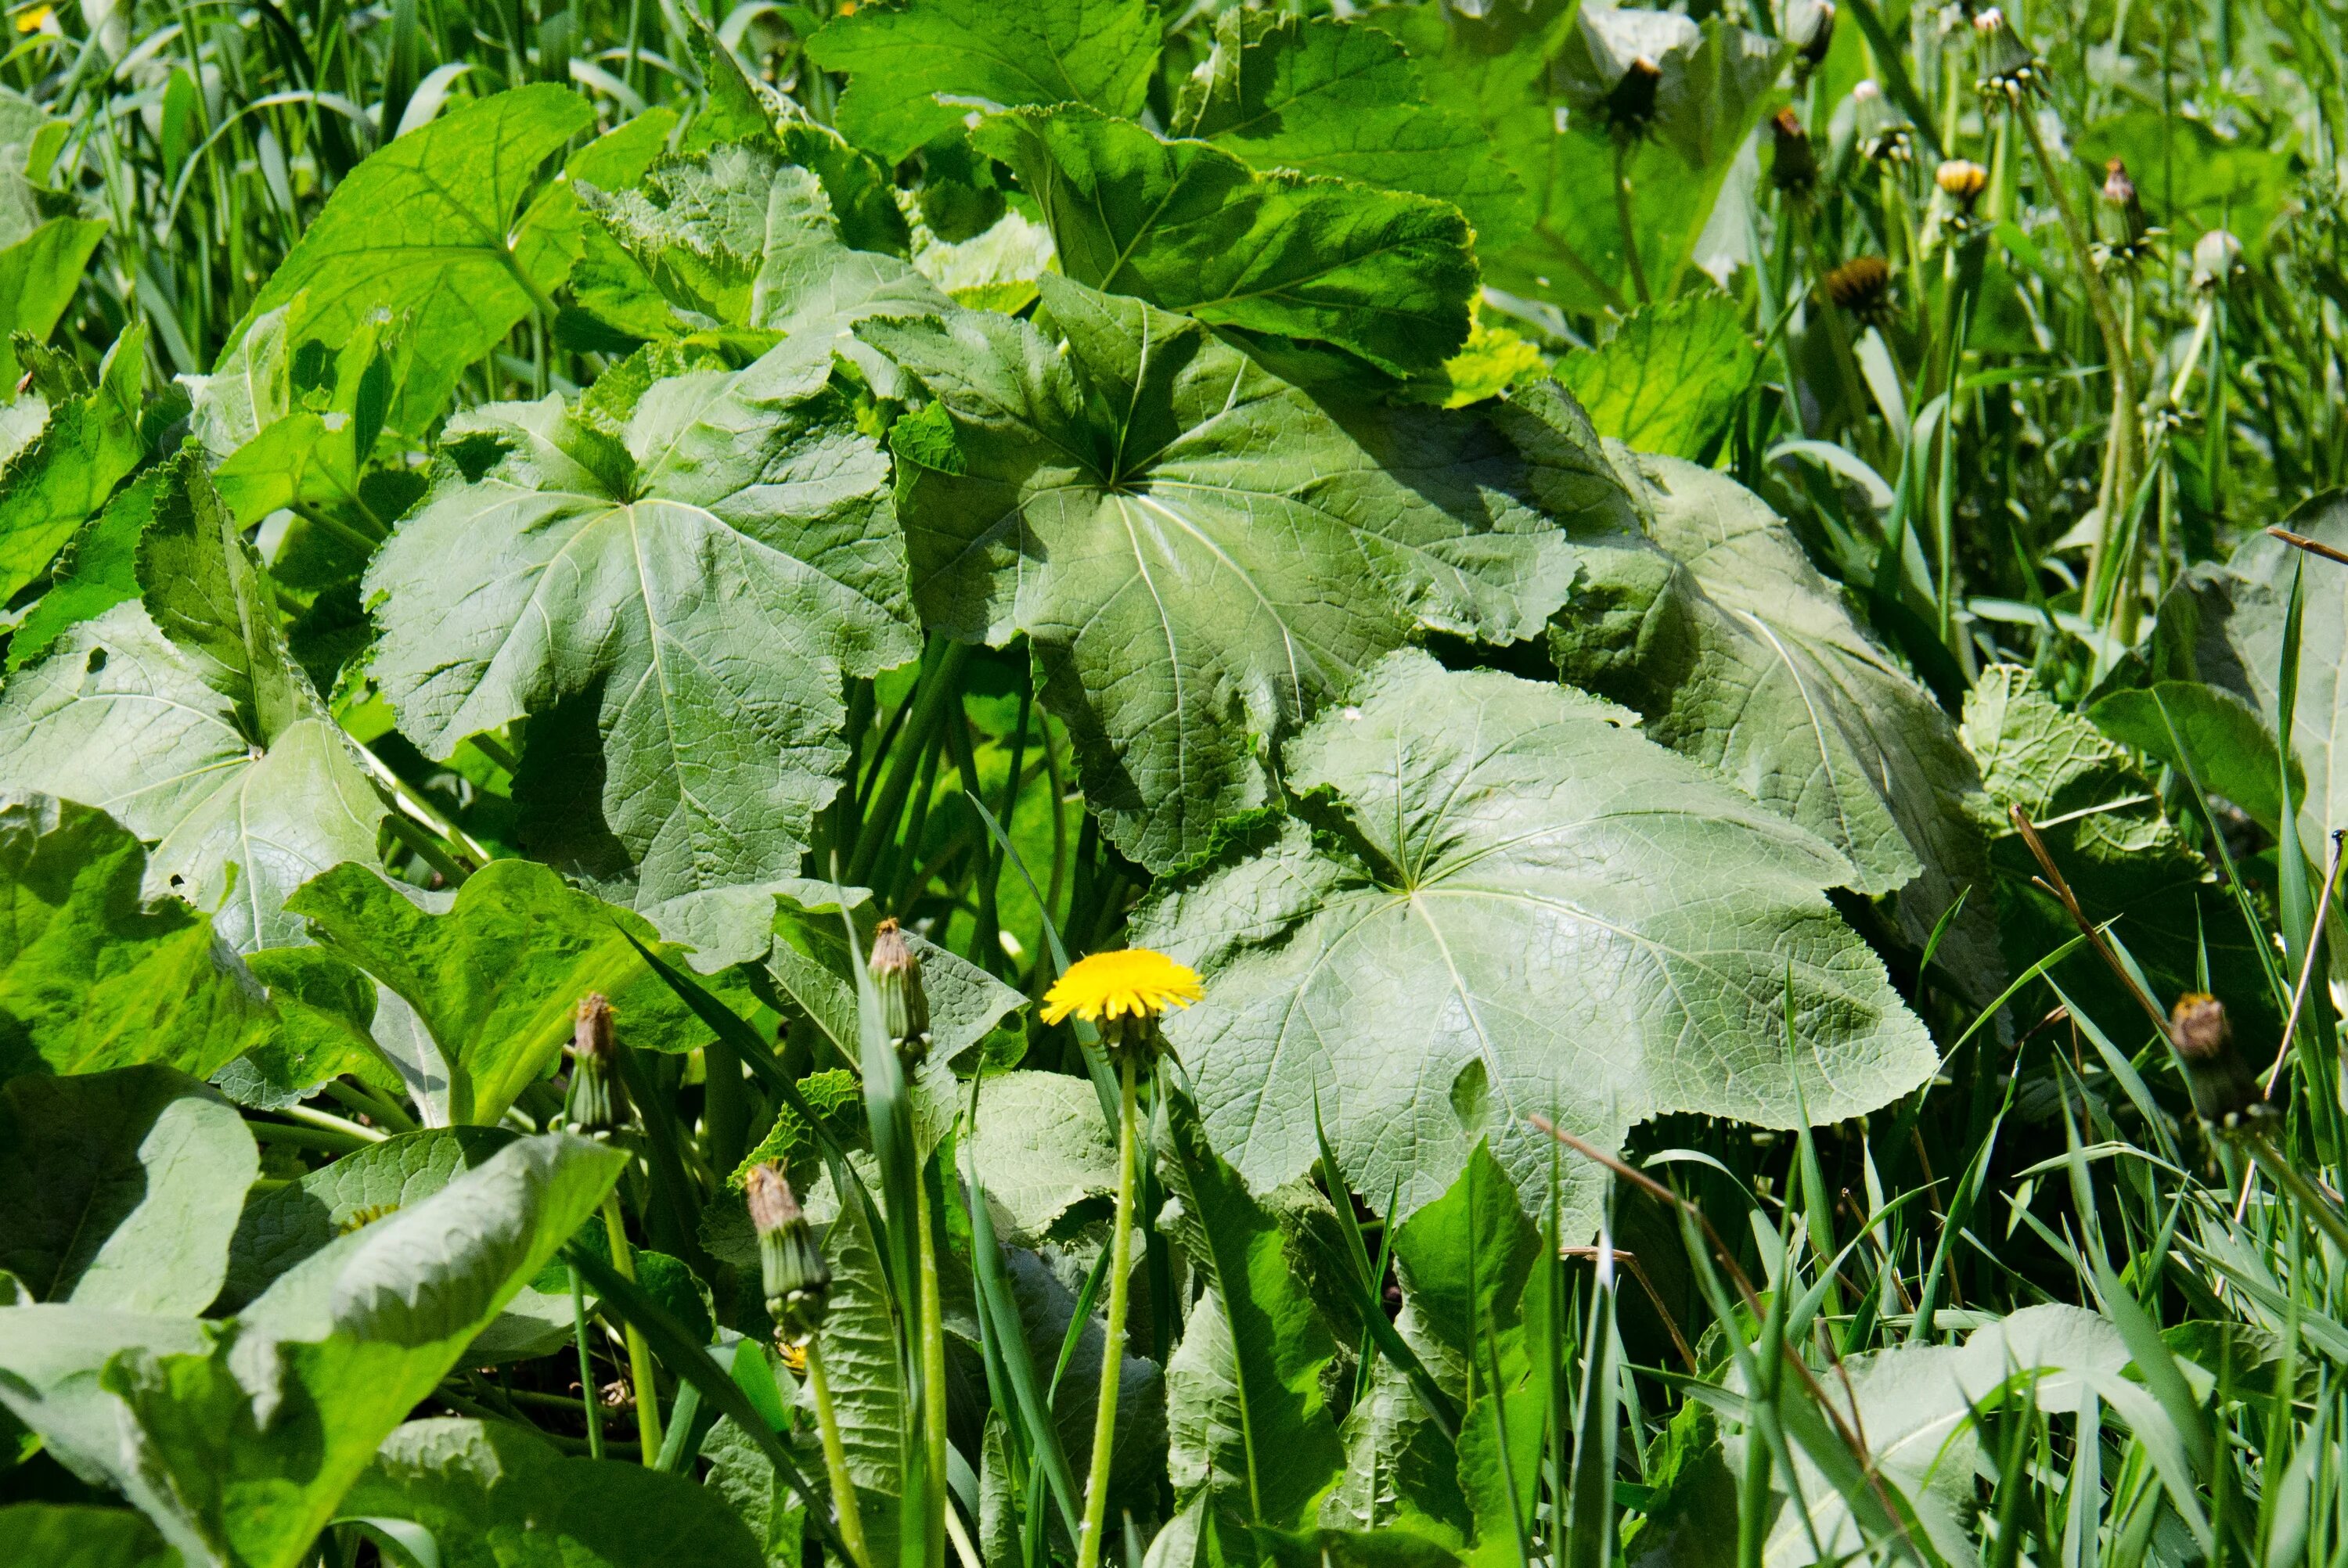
[[1121, 994]]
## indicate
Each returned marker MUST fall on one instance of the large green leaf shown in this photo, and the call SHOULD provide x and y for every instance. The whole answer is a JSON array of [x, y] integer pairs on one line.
[[495, 970], [1041, 1148], [92, 975], [674, 608], [425, 229], [1530, 909], [1384, 276], [900, 60], [239, 1440], [1666, 378], [1325, 97], [98, 570], [1467, 1264], [60, 1535], [284, 1224], [38, 275], [185, 716], [736, 237], [1248, 1420], [493, 1496], [2103, 823], [2213, 733], [1200, 554], [122, 1188], [1738, 653], [64, 473], [262, 1436]]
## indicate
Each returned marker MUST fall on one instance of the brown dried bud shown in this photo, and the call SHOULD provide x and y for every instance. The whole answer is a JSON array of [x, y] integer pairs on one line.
[[2120, 218]]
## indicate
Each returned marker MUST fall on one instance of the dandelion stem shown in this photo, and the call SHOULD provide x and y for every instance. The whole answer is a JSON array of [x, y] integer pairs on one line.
[[1120, 1268], [835, 1456], [640, 1356]]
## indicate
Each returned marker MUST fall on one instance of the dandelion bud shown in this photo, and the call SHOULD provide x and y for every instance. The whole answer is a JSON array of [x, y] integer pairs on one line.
[[791, 1266], [2120, 214], [1795, 171], [897, 976], [2222, 1084], [598, 1100]]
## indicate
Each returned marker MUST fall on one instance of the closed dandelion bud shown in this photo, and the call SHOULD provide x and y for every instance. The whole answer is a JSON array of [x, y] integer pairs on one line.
[[598, 1100], [2222, 1084], [897, 976], [797, 1280], [2009, 70], [1795, 169], [2120, 214], [1861, 287]]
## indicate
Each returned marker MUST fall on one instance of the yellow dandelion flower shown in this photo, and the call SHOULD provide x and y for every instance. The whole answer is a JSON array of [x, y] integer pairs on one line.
[[1133, 983], [31, 20]]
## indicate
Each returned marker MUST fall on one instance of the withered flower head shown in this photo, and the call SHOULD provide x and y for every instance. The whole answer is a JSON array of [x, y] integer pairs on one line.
[[2123, 233], [1861, 287], [896, 972], [2223, 1086], [598, 1100], [2216, 257], [797, 1279], [1795, 169], [1811, 52], [1884, 133]]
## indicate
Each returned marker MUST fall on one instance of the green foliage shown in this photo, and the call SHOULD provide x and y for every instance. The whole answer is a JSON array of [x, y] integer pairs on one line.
[[2104, 825], [97, 973], [185, 715], [120, 1189], [494, 1497], [899, 62], [1218, 556], [493, 973], [1383, 278], [427, 232], [1248, 1426], [502, 503], [1667, 377], [1512, 849]]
